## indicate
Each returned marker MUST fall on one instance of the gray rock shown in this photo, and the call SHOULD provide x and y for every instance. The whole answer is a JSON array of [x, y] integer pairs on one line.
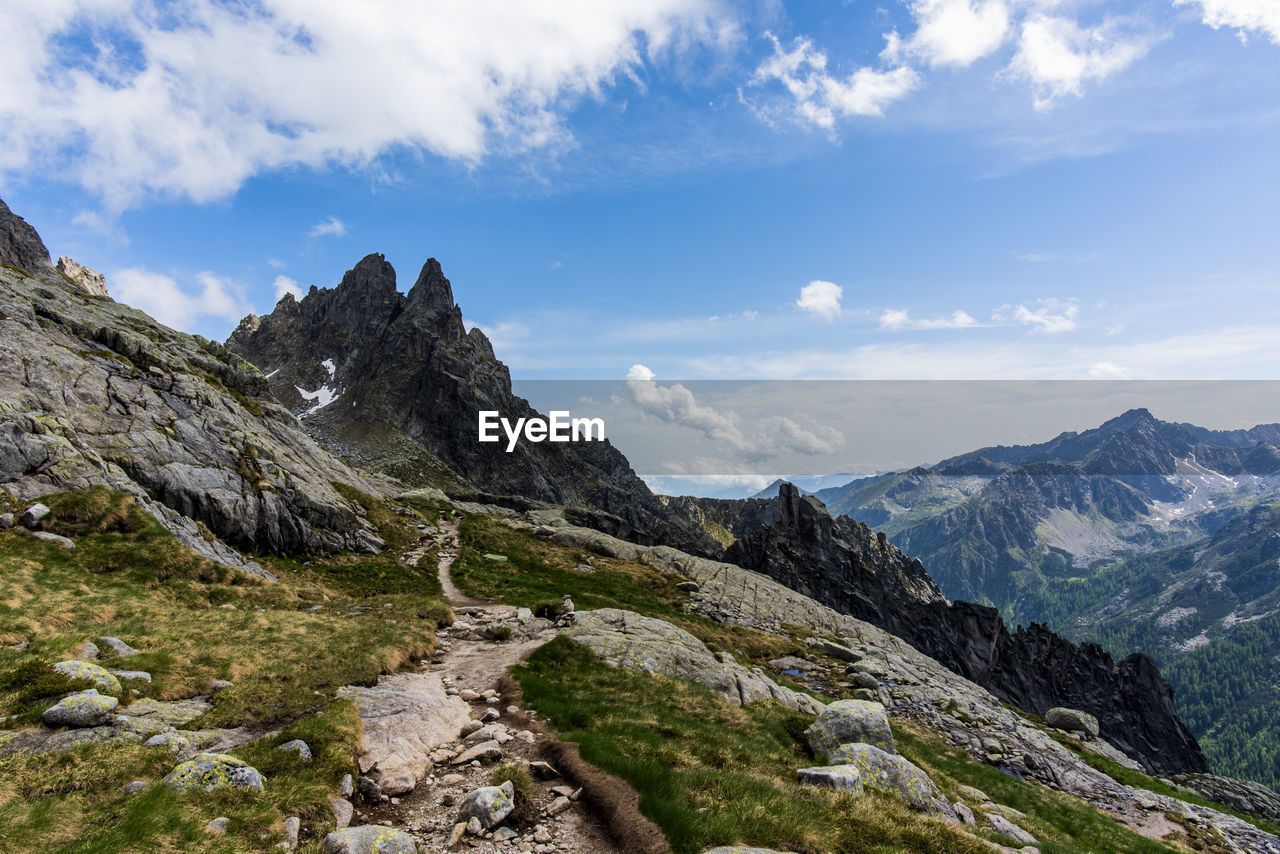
[[559, 805], [85, 709], [93, 673], [292, 825], [369, 790], [846, 778], [850, 722], [1072, 720], [504, 834], [6, 521], [835, 650], [132, 675], [489, 804], [347, 786], [964, 813], [489, 751], [56, 539], [628, 640], [33, 514], [343, 812], [217, 685], [298, 746], [171, 740], [368, 839], [119, 647], [85, 651], [864, 681], [217, 825], [688, 586], [90, 281], [1002, 825], [213, 772], [134, 787], [893, 775]]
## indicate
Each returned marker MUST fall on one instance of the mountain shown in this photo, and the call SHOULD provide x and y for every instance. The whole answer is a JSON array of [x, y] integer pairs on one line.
[[771, 491], [393, 383], [845, 565], [94, 393], [1140, 534]]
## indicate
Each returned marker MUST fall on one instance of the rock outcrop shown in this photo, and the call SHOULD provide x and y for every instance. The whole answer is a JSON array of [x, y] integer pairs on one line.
[[629, 640], [22, 248], [395, 382], [90, 281], [843, 564], [95, 393]]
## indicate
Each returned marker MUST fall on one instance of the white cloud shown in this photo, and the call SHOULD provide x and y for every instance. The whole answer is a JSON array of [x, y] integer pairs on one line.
[[821, 298], [821, 98], [1058, 56], [331, 227], [639, 373], [1051, 315], [896, 319], [162, 298], [192, 99], [275, 263], [285, 285], [1107, 371], [1241, 15], [951, 32], [761, 439]]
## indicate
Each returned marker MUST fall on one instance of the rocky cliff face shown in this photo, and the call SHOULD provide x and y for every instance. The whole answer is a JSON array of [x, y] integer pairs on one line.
[[843, 564], [394, 382], [96, 393], [21, 247]]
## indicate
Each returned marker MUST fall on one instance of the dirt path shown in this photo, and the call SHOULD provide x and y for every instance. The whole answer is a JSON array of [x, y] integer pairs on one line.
[[475, 667]]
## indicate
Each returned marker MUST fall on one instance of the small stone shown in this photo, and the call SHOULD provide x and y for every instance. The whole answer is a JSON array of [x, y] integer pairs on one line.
[[496, 558], [217, 825], [292, 825], [470, 726], [452, 779], [468, 695], [566, 791], [474, 827], [347, 786], [490, 715], [85, 651], [525, 735], [6, 521], [504, 834], [219, 685], [369, 839], [132, 675], [135, 787], [299, 747], [485, 750], [178, 744], [369, 790], [558, 806], [543, 770], [45, 536], [83, 709], [343, 812], [489, 805], [1003, 826], [965, 814], [846, 778], [119, 647], [456, 836], [541, 835], [32, 515]]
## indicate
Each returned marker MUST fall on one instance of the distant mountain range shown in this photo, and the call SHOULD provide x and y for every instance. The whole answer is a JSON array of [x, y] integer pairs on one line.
[[1141, 534]]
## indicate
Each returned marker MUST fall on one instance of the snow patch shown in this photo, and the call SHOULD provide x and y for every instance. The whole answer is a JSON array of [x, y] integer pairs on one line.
[[322, 396], [273, 373], [327, 364]]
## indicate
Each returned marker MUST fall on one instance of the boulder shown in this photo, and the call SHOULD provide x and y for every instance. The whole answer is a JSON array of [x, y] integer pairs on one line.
[[369, 839], [6, 521], [845, 778], [490, 804], [89, 280], [1003, 826], [893, 775], [171, 740], [343, 812], [90, 672], [213, 772], [634, 642], [119, 647], [835, 650], [850, 722], [1072, 720], [32, 515], [485, 751], [132, 675], [85, 709], [56, 539], [299, 747], [85, 651]]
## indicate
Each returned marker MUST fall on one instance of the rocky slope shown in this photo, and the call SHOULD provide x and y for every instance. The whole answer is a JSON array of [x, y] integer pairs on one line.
[[844, 565], [95, 393], [393, 382]]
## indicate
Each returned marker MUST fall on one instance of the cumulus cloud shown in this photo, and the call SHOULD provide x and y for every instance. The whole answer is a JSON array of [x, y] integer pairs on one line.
[[133, 98], [161, 297], [821, 298], [951, 32], [896, 320], [285, 285], [1058, 56], [1262, 16], [820, 98], [1049, 316], [331, 227], [756, 440]]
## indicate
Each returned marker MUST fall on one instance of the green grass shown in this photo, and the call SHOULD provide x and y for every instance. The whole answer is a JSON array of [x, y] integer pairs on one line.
[[711, 774], [539, 573], [129, 578]]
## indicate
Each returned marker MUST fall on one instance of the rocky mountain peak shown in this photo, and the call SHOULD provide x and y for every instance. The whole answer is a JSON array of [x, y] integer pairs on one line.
[[21, 246], [432, 289]]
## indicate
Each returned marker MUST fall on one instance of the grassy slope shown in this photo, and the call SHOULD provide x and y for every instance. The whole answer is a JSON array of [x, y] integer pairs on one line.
[[128, 578], [712, 774]]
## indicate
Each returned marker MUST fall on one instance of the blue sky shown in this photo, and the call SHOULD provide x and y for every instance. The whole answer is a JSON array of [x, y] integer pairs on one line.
[[1000, 189]]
